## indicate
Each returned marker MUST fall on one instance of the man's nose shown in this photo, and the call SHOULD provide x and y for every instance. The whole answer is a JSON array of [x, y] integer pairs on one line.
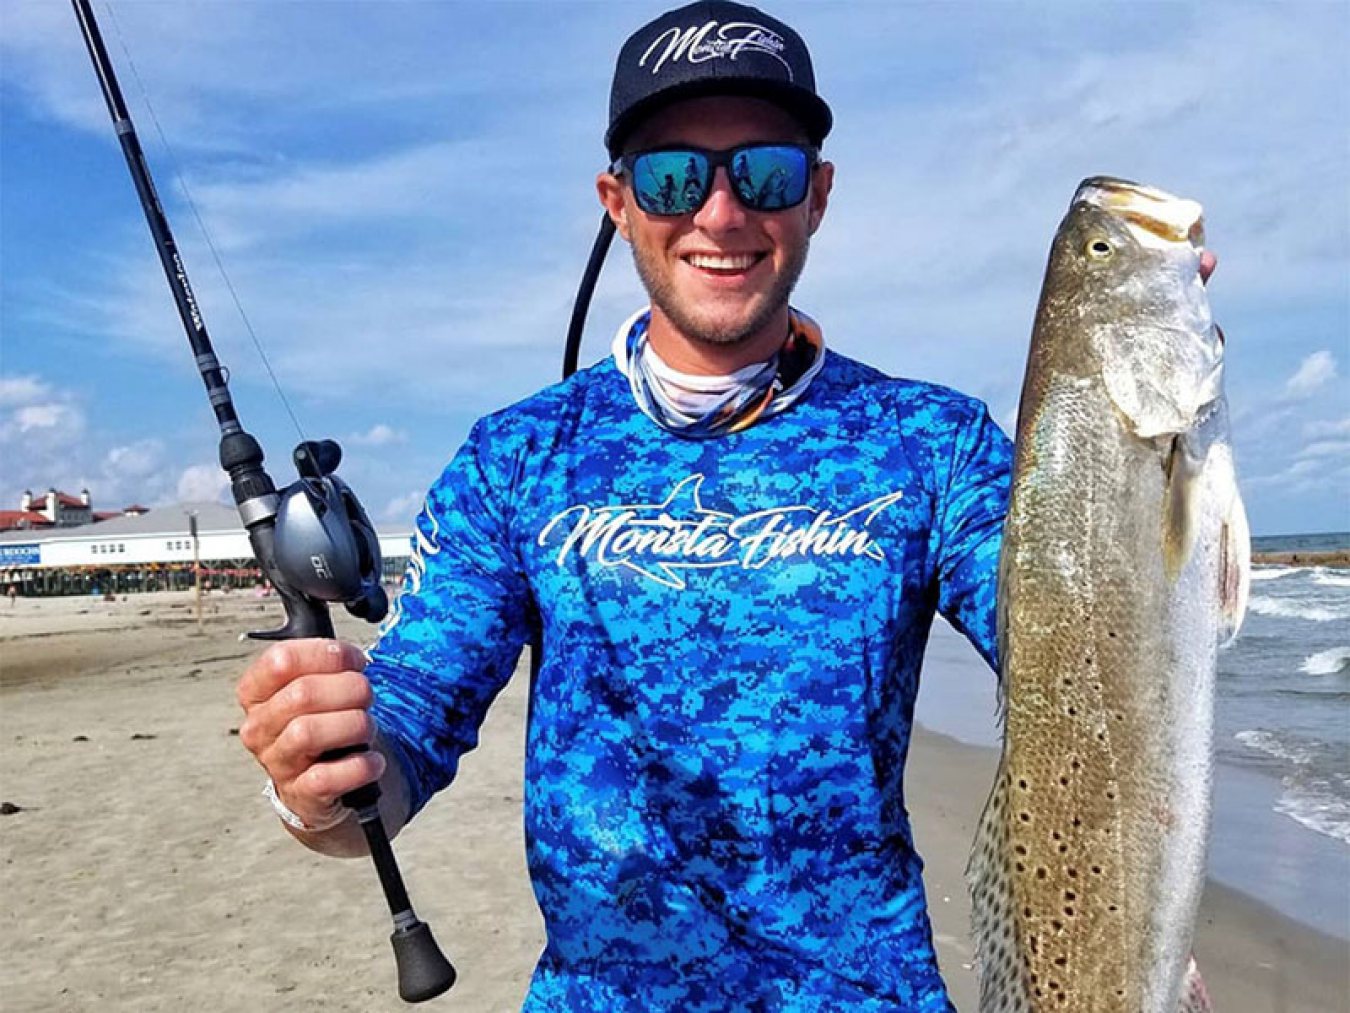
[[723, 209]]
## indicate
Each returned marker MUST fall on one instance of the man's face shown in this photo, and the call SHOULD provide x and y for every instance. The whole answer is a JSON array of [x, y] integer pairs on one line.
[[721, 275]]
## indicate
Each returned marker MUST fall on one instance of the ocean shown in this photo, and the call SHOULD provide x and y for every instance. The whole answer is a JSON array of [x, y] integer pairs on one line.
[[1282, 735], [1282, 732]]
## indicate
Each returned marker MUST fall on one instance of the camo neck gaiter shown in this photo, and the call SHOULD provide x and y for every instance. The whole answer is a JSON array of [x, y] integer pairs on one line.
[[706, 406]]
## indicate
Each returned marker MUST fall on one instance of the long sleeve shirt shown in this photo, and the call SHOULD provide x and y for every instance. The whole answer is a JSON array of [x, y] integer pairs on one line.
[[730, 634]]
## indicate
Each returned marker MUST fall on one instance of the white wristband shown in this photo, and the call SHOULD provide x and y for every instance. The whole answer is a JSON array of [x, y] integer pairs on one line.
[[339, 815]]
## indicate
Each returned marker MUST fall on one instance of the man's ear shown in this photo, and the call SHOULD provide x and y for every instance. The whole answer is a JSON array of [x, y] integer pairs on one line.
[[611, 191], [822, 180]]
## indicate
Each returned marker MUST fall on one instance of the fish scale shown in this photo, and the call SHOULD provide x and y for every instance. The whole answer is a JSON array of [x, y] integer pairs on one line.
[[1123, 532]]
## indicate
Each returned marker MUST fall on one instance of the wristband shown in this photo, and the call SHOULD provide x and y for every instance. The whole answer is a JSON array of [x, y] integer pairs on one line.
[[339, 815]]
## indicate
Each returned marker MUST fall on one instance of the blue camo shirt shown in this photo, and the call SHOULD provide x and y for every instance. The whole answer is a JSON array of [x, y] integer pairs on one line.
[[732, 634]]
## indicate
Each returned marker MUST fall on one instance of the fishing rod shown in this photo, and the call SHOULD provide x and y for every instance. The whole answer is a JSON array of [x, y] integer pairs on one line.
[[313, 540]]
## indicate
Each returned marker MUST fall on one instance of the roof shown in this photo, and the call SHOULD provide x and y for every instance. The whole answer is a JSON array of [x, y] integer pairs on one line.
[[165, 520], [65, 499], [23, 520]]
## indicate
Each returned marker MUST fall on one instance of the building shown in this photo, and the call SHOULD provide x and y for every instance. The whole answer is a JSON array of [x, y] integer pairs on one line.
[[57, 509], [146, 551]]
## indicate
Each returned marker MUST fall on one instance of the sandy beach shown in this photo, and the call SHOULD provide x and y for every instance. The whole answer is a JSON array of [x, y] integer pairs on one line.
[[143, 871]]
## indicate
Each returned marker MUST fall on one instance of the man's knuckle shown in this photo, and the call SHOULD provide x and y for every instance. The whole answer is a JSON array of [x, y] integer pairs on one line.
[[249, 735], [301, 696], [299, 736], [277, 658]]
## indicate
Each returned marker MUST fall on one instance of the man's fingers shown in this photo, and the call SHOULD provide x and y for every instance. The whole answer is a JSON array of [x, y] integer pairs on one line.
[[1208, 262], [325, 783], [305, 695], [284, 662], [309, 737]]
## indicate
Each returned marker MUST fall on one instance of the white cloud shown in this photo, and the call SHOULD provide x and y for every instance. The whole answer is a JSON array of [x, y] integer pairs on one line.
[[135, 460], [42, 431], [1321, 429], [18, 391], [1313, 372], [45, 416], [1326, 448], [202, 483], [379, 435], [402, 509]]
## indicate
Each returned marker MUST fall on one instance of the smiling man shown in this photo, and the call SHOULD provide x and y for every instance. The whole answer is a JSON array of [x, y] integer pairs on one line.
[[730, 544]]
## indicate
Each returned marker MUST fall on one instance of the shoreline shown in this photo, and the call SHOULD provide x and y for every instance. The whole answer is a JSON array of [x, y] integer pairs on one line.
[[1336, 559], [145, 872]]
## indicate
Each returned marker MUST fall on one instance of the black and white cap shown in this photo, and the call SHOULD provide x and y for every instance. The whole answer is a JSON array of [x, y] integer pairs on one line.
[[713, 47]]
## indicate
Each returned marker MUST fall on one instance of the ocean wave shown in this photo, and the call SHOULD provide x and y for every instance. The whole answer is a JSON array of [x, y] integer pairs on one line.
[[1272, 745], [1306, 695], [1328, 662], [1274, 572], [1286, 608], [1317, 806], [1330, 578]]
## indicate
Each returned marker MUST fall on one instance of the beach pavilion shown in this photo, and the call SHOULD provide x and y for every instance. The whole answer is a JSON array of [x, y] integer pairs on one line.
[[157, 550]]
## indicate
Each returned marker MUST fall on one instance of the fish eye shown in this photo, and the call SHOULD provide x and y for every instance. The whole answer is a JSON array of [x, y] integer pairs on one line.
[[1099, 249]]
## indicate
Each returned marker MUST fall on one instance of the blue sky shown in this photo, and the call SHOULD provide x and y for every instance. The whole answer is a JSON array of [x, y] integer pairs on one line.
[[402, 195]]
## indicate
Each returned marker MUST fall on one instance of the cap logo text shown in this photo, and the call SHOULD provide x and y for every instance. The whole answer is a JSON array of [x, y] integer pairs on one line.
[[698, 44]]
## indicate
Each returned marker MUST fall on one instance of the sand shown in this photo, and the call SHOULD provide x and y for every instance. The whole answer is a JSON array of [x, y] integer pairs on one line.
[[145, 872]]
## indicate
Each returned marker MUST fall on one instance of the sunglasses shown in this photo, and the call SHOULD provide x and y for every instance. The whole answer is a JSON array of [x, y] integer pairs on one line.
[[677, 181]]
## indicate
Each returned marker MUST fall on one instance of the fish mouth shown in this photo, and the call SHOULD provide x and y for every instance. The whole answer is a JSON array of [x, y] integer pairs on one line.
[[1156, 218]]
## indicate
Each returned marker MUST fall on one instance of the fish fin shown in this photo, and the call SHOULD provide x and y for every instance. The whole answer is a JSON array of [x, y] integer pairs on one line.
[[1001, 622], [1180, 508], [1194, 996], [1002, 984], [1234, 569]]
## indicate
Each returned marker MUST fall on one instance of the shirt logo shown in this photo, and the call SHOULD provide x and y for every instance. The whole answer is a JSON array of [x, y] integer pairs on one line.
[[698, 44], [662, 540]]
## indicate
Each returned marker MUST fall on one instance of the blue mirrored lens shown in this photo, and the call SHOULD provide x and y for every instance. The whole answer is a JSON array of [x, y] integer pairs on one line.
[[769, 177], [670, 182]]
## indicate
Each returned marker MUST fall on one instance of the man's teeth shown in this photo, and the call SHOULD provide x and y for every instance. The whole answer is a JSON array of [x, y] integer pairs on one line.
[[734, 262]]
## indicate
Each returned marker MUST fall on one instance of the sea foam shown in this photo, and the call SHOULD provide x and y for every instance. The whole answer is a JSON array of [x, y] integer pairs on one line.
[[1274, 572], [1287, 609], [1315, 799], [1317, 807], [1328, 662]]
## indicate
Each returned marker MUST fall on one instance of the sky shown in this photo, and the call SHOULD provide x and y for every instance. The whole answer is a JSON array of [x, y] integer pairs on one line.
[[402, 198]]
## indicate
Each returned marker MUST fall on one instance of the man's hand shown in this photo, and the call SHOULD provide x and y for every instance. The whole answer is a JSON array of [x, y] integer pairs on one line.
[[303, 699]]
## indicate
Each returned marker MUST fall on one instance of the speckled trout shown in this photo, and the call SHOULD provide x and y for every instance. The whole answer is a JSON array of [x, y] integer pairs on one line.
[[1124, 568]]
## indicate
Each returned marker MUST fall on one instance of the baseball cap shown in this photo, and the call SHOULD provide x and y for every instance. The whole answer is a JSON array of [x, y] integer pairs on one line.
[[713, 47]]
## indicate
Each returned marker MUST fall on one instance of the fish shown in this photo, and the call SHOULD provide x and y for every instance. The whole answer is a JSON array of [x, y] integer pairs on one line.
[[1123, 569]]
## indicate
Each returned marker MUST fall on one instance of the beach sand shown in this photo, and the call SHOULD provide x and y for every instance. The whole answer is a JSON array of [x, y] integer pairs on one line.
[[145, 872]]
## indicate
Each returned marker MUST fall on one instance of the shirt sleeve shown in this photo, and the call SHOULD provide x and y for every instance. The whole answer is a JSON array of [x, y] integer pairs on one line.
[[456, 631], [970, 530]]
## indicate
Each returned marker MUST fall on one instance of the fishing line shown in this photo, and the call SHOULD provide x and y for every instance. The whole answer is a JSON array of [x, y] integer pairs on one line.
[[206, 233]]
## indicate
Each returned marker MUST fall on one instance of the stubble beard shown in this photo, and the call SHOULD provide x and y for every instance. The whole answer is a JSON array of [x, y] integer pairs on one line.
[[684, 317]]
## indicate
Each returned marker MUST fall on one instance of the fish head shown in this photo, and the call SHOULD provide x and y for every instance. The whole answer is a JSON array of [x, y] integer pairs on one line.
[[1126, 265]]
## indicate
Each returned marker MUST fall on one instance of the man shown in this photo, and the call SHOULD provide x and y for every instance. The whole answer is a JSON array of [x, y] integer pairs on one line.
[[731, 543]]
